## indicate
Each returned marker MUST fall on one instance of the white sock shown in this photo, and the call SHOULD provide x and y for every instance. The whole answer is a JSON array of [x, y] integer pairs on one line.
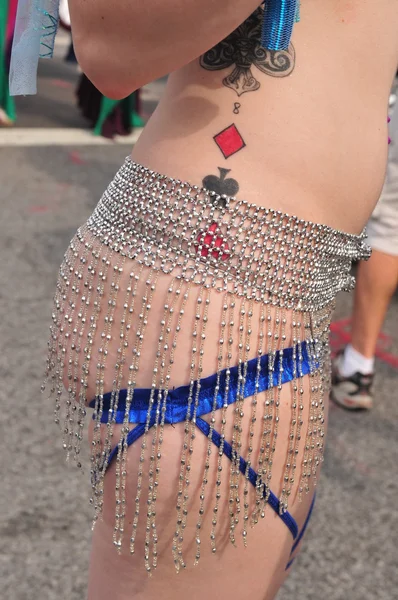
[[353, 361]]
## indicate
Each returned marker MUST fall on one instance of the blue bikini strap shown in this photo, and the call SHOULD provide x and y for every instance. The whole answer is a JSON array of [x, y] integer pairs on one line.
[[301, 534], [272, 499], [176, 400], [204, 427]]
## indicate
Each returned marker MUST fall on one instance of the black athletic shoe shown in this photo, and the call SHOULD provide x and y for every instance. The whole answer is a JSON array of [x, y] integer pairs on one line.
[[354, 392]]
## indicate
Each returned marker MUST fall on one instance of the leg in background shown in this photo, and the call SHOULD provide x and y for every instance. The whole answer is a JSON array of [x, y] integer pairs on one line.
[[377, 280]]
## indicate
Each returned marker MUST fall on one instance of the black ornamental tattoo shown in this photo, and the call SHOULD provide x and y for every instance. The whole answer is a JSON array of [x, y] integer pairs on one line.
[[242, 50]]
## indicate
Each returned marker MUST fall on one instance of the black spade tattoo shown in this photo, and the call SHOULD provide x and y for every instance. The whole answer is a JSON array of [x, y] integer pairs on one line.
[[242, 51], [221, 185]]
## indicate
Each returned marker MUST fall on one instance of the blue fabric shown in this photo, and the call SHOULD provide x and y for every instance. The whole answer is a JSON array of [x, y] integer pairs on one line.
[[272, 499], [176, 405], [302, 532], [132, 436], [176, 411], [279, 18], [204, 427]]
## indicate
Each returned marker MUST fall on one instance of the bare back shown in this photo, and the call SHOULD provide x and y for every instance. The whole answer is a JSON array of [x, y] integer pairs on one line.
[[313, 120]]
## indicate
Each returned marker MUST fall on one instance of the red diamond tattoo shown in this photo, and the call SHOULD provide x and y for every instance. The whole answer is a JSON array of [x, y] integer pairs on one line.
[[229, 141]]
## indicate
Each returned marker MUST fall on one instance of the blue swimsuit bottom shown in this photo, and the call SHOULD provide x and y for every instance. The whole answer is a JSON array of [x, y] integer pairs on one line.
[[176, 411]]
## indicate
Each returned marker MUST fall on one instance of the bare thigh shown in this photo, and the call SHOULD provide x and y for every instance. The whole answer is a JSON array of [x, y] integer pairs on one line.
[[233, 570], [111, 304]]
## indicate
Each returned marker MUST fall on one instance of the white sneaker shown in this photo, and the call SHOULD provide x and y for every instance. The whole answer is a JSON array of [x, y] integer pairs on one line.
[[354, 392]]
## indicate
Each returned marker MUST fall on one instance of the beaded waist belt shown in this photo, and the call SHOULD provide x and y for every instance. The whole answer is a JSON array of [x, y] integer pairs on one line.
[[224, 243], [278, 276]]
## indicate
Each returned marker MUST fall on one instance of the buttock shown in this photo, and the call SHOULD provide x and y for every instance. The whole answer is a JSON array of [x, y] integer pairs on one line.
[[269, 544], [196, 325]]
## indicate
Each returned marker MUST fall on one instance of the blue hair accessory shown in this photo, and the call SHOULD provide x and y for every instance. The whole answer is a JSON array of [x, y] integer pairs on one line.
[[279, 18]]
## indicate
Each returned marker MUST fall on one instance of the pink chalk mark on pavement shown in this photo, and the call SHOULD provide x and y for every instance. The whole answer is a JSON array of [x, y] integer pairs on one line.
[[340, 335], [60, 83], [76, 158], [64, 186], [50, 203], [39, 208]]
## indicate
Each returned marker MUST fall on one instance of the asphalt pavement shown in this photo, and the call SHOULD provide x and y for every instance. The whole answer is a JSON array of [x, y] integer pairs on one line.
[[47, 190]]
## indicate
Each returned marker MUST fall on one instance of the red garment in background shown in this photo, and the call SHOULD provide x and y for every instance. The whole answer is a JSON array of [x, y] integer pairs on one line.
[[12, 15]]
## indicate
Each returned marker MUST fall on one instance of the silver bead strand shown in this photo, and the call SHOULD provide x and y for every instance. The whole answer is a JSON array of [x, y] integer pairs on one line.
[[300, 416], [265, 457], [56, 329], [99, 274], [106, 336], [67, 340], [102, 279], [178, 535], [161, 393], [121, 459], [126, 322], [234, 500], [68, 273], [281, 346], [312, 385], [210, 436], [54, 357], [288, 469], [312, 426], [246, 474], [203, 319], [164, 406], [319, 429], [259, 483], [80, 353], [231, 325]]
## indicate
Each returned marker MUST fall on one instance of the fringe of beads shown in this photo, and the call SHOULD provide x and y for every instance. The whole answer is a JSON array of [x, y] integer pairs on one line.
[[88, 292]]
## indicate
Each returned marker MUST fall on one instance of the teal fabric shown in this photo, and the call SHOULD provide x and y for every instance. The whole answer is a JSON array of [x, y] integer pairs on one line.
[[6, 102]]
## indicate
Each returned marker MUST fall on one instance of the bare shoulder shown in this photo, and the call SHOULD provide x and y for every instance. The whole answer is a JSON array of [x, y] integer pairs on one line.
[[122, 45]]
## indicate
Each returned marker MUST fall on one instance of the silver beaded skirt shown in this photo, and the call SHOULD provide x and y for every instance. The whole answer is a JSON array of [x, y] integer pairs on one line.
[[277, 276]]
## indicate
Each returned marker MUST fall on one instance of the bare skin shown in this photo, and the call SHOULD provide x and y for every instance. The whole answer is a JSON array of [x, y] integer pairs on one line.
[[226, 573], [316, 140], [313, 142]]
